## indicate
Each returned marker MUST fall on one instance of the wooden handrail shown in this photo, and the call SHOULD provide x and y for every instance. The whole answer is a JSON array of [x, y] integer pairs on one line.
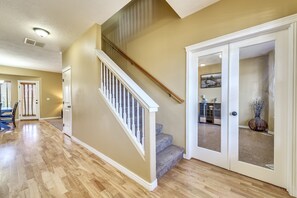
[[156, 81]]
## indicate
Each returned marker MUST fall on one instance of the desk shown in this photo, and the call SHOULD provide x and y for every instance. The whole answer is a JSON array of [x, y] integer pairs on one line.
[[4, 110]]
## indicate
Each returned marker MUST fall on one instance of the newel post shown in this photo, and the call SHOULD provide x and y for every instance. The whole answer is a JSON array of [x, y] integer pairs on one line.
[[150, 141]]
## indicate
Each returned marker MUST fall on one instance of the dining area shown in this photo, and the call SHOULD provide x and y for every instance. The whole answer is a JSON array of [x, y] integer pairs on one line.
[[7, 117]]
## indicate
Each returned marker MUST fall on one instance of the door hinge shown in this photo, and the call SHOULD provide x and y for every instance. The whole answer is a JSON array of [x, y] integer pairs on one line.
[[62, 80], [63, 102], [63, 124]]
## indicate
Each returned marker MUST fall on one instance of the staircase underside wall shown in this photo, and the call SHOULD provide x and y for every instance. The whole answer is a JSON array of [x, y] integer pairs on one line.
[[93, 122]]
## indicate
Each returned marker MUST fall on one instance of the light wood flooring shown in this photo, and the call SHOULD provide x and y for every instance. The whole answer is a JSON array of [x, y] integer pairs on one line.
[[36, 160]]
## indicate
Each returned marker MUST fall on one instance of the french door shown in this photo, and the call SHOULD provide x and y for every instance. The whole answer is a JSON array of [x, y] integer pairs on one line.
[[211, 139], [241, 107], [28, 94]]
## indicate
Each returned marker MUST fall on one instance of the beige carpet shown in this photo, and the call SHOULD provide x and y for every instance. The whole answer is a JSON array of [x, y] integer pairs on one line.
[[254, 147], [58, 123]]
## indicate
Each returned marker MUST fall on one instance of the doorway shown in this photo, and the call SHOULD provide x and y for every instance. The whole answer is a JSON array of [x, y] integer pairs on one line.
[[237, 95], [67, 104], [28, 95]]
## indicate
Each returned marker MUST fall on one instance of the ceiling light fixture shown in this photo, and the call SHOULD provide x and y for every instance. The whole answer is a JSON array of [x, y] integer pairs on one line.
[[202, 65], [41, 32]]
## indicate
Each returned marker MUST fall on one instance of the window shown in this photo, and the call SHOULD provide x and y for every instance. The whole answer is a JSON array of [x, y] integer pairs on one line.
[[5, 94]]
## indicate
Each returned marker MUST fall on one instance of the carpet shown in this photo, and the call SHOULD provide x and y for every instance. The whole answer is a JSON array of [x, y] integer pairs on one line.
[[254, 147], [58, 123]]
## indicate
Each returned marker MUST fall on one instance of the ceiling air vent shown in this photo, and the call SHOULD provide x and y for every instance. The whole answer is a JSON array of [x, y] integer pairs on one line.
[[29, 41], [39, 44]]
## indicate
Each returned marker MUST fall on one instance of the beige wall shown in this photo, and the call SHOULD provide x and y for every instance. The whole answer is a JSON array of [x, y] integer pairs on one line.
[[253, 84], [161, 50], [50, 87], [93, 122]]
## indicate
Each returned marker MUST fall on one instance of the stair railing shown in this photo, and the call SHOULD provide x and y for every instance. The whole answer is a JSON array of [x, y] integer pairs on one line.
[[132, 107], [156, 81]]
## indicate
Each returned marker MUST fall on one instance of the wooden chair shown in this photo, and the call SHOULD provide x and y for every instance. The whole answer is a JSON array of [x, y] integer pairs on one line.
[[10, 118]]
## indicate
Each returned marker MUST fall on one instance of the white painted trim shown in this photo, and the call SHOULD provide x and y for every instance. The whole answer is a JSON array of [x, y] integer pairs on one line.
[[247, 127], [186, 156], [133, 139], [133, 88], [50, 118], [292, 123], [66, 68], [289, 22], [149, 186]]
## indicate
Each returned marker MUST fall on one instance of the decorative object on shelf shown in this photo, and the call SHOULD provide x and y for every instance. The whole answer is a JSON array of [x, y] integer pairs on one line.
[[204, 100], [211, 80], [258, 124]]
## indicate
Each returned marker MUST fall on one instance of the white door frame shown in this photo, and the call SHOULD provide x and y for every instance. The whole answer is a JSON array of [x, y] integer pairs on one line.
[[289, 23], [69, 132], [38, 98]]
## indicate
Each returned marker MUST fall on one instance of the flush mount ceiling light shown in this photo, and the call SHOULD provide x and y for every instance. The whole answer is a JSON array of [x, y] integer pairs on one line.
[[202, 65], [41, 32]]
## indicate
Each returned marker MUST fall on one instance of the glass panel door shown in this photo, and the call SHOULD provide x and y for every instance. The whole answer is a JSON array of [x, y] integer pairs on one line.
[[255, 88], [212, 89]]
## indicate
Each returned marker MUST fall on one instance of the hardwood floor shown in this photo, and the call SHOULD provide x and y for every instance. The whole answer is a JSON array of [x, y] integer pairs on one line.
[[36, 160]]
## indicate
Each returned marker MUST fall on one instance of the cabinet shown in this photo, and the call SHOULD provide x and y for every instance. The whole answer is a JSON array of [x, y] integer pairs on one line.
[[210, 113]]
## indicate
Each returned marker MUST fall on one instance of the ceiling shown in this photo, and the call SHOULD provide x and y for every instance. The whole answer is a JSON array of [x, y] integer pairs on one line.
[[65, 20], [185, 8]]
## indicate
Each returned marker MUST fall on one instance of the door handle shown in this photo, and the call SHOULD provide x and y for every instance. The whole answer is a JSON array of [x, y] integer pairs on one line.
[[234, 113], [68, 106]]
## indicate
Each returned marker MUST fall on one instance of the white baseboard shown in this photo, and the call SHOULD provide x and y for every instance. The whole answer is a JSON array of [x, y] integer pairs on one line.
[[186, 156], [127, 172], [49, 118], [247, 127]]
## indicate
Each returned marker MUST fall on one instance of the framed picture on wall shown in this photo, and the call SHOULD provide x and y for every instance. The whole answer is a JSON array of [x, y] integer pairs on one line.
[[211, 80]]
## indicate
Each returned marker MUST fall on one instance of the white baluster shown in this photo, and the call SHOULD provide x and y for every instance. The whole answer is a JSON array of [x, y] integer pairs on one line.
[[101, 76], [121, 109], [133, 119], [142, 119], [113, 95], [104, 79], [129, 113], [137, 117], [117, 97], [109, 84], [124, 96]]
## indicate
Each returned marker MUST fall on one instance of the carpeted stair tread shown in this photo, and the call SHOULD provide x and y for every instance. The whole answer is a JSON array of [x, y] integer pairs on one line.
[[163, 141], [159, 128], [168, 158]]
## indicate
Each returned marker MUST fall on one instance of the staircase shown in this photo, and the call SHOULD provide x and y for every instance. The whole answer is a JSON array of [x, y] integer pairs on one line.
[[168, 155], [135, 111]]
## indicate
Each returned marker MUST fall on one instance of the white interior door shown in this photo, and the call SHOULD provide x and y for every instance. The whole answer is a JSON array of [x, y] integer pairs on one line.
[[258, 107], [67, 105], [210, 141], [28, 94]]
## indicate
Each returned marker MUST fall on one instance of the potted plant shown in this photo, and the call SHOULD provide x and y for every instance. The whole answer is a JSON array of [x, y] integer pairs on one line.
[[258, 124]]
